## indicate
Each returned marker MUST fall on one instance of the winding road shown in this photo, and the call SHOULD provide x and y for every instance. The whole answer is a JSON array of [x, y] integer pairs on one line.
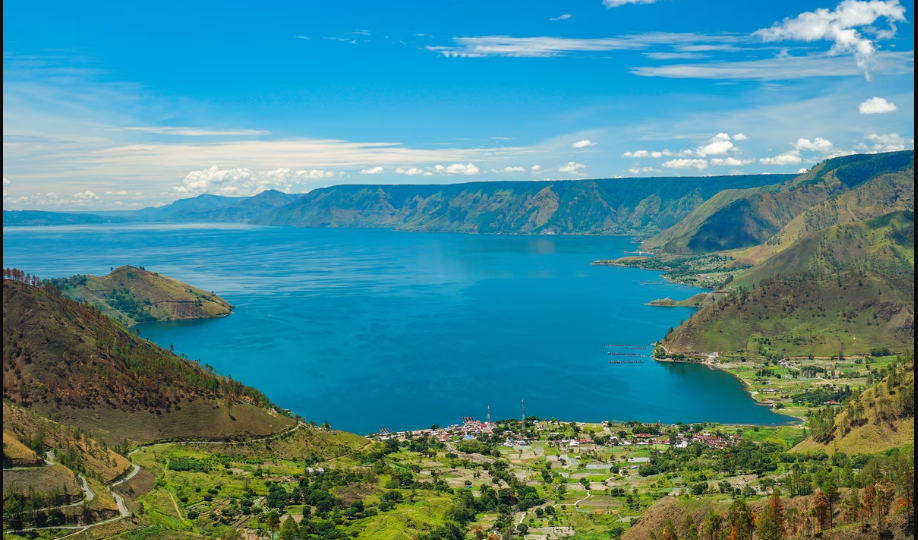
[[123, 512]]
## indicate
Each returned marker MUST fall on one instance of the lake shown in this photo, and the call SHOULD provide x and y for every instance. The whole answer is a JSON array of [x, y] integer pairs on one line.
[[373, 328]]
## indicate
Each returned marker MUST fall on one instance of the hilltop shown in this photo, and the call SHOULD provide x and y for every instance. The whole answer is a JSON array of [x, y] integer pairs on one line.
[[68, 359], [840, 190], [133, 295]]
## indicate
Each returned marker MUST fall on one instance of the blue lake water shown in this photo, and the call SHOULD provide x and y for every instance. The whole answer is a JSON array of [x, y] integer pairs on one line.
[[375, 328]]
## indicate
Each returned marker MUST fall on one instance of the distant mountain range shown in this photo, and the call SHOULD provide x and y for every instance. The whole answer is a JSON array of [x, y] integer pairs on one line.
[[642, 206]]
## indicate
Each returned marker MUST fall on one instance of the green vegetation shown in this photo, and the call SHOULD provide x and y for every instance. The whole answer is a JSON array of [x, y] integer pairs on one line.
[[133, 295]]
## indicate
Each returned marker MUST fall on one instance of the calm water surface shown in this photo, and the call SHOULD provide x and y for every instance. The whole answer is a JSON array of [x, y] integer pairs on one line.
[[375, 328]]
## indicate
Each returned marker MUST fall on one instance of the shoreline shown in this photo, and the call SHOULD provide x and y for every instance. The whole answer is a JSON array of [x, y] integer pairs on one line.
[[712, 365]]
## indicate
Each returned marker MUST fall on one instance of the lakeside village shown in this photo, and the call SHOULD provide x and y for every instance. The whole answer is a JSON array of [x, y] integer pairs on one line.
[[568, 436]]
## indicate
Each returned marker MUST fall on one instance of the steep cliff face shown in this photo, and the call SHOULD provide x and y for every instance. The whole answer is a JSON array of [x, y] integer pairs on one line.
[[612, 206]]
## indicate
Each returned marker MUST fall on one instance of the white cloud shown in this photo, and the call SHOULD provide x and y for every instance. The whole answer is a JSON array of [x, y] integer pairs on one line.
[[5, 183], [194, 132], [636, 154], [882, 142], [535, 169], [457, 168], [731, 162], [571, 167], [840, 27], [513, 169], [818, 144], [876, 105], [675, 55], [616, 3], [719, 145], [802, 170], [776, 69], [787, 158], [639, 170], [546, 47], [583, 144], [699, 164], [740, 137], [413, 171], [374, 170], [564, 17], [245, 182]]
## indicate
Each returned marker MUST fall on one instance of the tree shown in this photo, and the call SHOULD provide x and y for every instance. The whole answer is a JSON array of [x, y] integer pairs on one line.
[[770, 525], [831, 491], [289, 530], [869, 499], [712, 526], [741, 520], [886, 491], [852, 507], [271, 522], [669, 531], [820, 509]]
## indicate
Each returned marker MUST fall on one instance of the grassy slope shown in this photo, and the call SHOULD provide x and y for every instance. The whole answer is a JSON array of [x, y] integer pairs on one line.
[[72, 447], [64, 358], [851, 313], [874, 429], [880, 196], [131, 295], [847, 288], [737, 223]]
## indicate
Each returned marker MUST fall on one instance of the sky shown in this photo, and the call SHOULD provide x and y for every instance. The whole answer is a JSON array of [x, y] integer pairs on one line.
[[121, 105]]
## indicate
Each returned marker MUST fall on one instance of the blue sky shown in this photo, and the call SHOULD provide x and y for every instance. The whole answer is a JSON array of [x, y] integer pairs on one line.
[[122, 105]]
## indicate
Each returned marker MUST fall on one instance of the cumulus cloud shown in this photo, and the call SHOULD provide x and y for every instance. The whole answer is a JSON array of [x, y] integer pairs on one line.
[[731, 162], [699, 164], [639, 170], [564, 17], [457, 168], [883, 142], [818, 144], [373, 170], [740, 137], [413, 171], [802, 170], [5, 183], [876, 105], [513, 169], [840, 27], [244, 182], [787, 158], [571, 167], [583, 144], [719, 145]]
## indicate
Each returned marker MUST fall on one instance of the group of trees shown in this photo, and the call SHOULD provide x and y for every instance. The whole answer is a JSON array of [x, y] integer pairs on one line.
[[21, 276], [869, 506]]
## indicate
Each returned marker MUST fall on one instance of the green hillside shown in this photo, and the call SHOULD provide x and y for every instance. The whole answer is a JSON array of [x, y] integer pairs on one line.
[[68, 359], [885, 244], [133, 295], [874, 420], [610, 206], [831, 193]]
